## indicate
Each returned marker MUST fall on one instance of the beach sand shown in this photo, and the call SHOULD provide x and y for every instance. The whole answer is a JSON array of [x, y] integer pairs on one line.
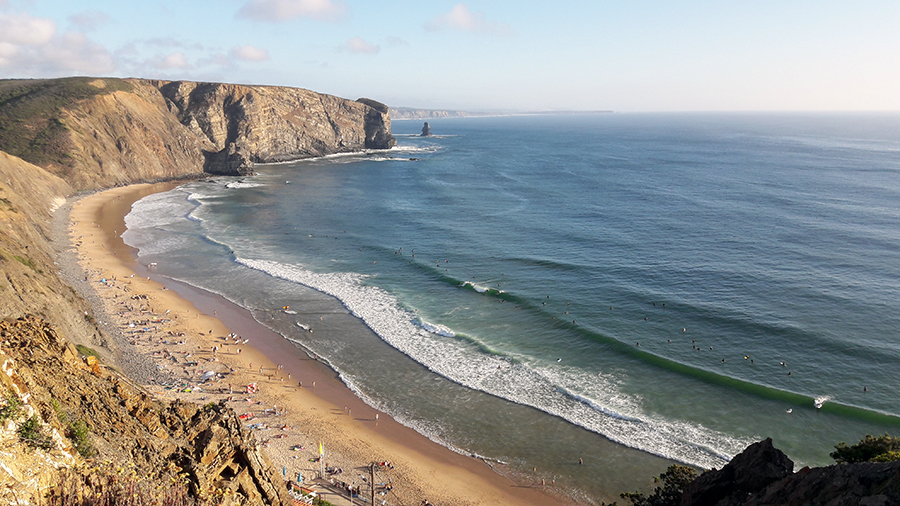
[[176, 329]]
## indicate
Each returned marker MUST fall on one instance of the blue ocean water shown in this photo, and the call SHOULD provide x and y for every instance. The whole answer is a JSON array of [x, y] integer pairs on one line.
[[538, 286]]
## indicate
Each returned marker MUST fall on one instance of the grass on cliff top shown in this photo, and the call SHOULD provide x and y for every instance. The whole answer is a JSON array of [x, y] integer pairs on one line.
[[30, 125]]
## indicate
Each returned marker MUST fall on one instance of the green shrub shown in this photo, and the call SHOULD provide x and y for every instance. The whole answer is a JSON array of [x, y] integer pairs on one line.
[[79, 433], [32, 433], [674, 481], [11, 406], [868, 449]]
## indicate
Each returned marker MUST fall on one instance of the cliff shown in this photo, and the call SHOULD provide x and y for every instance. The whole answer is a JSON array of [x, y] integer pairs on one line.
[[203, 448], [63, 136], [261, 124], [98, 133]]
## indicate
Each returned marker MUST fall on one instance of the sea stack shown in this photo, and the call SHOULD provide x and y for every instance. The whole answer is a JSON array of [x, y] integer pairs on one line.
[[426, 130]]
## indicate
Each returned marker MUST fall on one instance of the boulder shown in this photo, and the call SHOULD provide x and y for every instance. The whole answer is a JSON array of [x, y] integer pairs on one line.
[[762, 476], [752, 470]]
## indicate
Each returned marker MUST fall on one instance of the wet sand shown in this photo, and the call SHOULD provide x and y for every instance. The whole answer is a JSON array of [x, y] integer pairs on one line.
[[156, 315]]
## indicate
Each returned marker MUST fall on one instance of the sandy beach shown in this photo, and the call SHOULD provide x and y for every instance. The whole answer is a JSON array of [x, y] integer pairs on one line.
[[200, 347]]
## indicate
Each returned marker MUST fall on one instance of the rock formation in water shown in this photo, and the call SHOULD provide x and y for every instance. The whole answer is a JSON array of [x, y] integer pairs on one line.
[[426, 130]]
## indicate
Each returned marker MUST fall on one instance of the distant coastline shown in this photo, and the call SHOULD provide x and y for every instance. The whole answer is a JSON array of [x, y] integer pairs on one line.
[[410, 113]]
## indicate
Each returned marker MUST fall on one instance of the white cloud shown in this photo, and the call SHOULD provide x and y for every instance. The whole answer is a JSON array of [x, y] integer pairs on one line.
[[88, 20], [359, 45], [30, 46], [249, 53], [75, 52], [461, 18], [7, 52], [26, 29], [284, 10], [176, 60]]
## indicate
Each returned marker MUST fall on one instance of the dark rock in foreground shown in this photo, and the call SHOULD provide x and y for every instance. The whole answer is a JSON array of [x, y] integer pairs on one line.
[[762, 475]]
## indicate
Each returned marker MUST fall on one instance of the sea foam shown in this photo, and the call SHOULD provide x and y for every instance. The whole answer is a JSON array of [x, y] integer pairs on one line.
[[595, 405]]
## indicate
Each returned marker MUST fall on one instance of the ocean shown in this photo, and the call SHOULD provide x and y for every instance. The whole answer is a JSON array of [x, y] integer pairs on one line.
[[629, 289]]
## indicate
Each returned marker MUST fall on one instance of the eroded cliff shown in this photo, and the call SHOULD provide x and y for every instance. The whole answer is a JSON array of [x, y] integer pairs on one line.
[[97, 133], [205, 448], [263, 124], [62, 136]]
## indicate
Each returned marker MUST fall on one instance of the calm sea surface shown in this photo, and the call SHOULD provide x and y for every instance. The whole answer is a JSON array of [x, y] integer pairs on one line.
[[540, 287]]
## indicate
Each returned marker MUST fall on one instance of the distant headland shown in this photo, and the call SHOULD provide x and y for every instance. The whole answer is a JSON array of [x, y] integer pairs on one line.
[[408, 113]]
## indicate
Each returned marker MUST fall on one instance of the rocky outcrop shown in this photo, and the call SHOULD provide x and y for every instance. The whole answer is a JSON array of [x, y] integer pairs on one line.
[[426, 130], [161, 442], [98, 133], [260, 124], [762, 475]]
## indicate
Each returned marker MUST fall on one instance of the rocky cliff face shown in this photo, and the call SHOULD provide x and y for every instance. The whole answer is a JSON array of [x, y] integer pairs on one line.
[[161, 443], [61, 136], [763, 475], [261, 124], [98, 133]]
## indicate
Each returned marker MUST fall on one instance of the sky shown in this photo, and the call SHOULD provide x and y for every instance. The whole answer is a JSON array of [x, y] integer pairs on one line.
[[621, 55]]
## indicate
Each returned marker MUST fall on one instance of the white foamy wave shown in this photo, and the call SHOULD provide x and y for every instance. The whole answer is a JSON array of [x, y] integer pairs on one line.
[[199, 197], [479, 288], [821, 400], [609, 412], [242, 184], [440, 330], [157, 210], [414, 149]]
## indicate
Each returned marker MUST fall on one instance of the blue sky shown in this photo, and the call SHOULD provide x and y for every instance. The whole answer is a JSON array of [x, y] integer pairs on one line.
[[623, 55]]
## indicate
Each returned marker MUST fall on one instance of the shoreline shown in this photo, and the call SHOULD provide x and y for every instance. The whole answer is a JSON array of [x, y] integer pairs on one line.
[[354, 433]]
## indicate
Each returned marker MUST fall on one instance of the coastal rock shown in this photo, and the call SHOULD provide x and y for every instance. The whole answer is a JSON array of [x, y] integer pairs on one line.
[[377, 125], [207, 445], [753, 469], [99, 133], [426, 130], [263, 124], [762, 475]]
